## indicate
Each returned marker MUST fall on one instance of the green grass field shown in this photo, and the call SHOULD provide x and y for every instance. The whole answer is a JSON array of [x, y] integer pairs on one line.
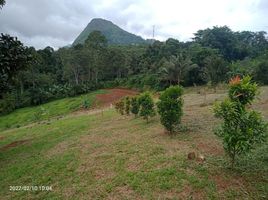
[[109, 156], [46, 111]]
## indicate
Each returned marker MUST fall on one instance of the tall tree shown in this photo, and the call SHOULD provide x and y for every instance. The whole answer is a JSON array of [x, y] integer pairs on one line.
[[176, 68], [13, 58], [2, 3], [216, 69]]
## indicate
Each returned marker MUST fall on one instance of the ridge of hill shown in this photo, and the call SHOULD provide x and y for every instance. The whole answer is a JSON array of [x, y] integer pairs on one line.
[[113, 33]]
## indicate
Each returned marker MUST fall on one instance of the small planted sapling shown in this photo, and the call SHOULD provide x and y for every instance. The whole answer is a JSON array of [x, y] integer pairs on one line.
[[120, 106], [135, 106], [146, 106], [170, 107], [242, 128]]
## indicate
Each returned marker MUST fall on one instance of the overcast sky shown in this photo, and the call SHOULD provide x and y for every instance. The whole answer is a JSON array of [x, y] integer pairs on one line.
[[57, 23]]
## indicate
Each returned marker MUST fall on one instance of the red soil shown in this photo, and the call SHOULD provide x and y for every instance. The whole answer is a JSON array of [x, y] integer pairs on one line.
[[13, 144], [114, 95]]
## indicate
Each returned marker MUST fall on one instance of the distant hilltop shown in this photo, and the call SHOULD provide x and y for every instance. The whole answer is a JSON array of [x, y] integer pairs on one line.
[[113, 33]]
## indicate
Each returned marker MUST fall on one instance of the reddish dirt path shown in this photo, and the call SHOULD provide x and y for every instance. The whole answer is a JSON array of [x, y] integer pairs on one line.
[[13, 144], [114, 95]]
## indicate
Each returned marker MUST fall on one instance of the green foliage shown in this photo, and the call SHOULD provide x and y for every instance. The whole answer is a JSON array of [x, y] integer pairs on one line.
[[261, 72], [86, 104], [241, 128], [242, 91], [216, 69], [41, 113], [176, 69], [13, 58], [39, 76], [7, 104], [2, 3], [120, 106], [170, 107], [96, 40], [135, 106], [146, 103], [24, 116], [127, 105]]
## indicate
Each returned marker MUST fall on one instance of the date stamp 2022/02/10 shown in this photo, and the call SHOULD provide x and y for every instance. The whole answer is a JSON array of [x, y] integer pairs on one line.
[[30, 188]]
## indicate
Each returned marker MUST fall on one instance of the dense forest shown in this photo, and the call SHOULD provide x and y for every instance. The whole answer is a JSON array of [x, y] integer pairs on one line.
[[31, 77]]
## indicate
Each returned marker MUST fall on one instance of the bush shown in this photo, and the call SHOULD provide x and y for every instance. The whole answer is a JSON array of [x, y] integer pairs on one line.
[[146, 106], [135, 106], [241, 128], [170, 107], [261, 73], [86, 104], [120, 106], [127, 105], [242, 91], [7, 104]]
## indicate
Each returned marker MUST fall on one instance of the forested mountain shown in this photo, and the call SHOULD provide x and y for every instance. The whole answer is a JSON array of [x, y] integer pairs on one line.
[[113, 33]]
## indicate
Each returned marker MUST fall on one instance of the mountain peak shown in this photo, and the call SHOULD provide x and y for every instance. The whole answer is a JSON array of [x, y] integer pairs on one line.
[[113, 33], [94, 20]]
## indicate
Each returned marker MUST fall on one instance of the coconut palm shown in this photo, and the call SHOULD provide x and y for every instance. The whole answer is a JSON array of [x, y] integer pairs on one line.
[[176, 68]]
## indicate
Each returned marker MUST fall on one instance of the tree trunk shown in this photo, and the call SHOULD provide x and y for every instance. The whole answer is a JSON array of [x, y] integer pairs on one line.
[[76, 76], [21, 87], [96, 77], [233, 158]]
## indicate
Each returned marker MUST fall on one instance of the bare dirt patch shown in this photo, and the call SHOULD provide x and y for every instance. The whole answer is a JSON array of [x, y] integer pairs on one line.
[[58, 149], [14, 144], [114, 95], [223, 184], [123, 192], [2, 138], [210, 148], [186, 193]]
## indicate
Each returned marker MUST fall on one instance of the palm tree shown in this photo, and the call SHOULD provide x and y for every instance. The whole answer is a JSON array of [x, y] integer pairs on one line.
[[176, 68], [2, 3]]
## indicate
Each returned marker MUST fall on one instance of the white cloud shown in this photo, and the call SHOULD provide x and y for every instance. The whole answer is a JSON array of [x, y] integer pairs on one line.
[[58, 22]]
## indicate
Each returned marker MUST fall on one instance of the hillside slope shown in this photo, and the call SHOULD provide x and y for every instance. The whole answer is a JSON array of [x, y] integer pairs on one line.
[[109, 156], [113, 33]]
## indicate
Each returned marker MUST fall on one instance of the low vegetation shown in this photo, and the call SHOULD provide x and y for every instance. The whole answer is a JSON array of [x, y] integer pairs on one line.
[[170, 107], [25, 116], [103, 154], [112, 156], [242, 129]]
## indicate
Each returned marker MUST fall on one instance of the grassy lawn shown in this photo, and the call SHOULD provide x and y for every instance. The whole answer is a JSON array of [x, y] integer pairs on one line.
[[64, 106], [108, 156]]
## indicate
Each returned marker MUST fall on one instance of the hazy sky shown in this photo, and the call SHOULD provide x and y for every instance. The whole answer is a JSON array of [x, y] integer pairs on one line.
[[56, 23]]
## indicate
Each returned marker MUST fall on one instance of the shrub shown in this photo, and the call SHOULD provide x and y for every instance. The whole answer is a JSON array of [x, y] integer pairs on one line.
[[170, 107], [86, 104], [135, 106], [40, 113], [241, 128], [146, 106], [127, 105], [242, 91], [120, 106], [261, 73], [7, 104]]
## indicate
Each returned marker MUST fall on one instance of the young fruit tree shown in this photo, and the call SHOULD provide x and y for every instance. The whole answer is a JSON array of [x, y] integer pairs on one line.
[[170, 107], [146, 106], [127, 105], [242, 128], [135, 106], [120, 106]]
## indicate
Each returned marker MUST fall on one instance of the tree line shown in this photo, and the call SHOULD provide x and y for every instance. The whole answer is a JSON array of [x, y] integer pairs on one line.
[[31, 77]]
